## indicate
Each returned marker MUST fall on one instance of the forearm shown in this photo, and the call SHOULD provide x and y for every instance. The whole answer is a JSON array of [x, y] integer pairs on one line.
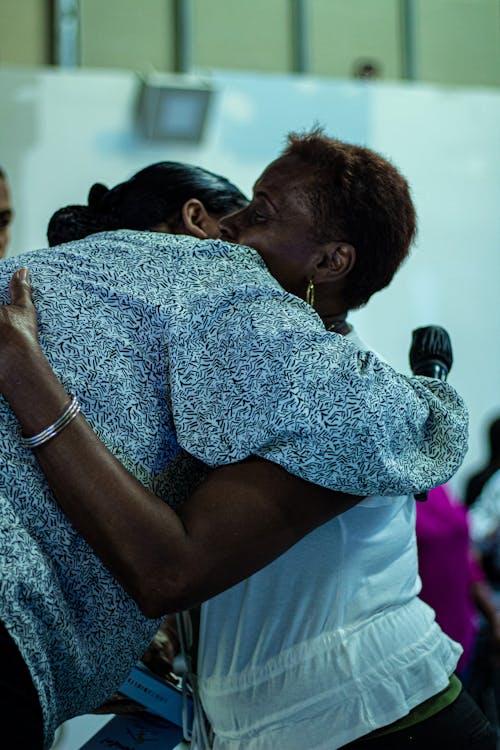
[[237, 521], [131, 530], [241, 518]]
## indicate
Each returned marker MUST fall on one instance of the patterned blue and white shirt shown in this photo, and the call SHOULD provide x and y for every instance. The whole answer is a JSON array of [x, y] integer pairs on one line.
[[175, 347]]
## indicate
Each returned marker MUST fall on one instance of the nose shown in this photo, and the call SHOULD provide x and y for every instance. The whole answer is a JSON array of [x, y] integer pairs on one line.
[[228, 227]]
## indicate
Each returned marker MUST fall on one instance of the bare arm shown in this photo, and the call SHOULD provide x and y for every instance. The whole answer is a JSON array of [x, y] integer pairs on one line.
[[240, 519]]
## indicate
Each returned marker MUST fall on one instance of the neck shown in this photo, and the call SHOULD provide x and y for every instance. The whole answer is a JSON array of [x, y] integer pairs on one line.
[[331, 308], [337, 323]]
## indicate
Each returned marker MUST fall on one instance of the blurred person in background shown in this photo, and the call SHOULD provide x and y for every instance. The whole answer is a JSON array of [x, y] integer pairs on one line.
[[477, 481], [485, 524], [6, 213], [453, 581], [483, 498]]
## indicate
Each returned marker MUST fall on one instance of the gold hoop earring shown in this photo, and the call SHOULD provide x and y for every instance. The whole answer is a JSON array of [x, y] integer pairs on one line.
[[310, 293]]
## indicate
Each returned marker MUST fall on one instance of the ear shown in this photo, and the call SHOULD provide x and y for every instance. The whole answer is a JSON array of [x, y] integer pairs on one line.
[[336, 260], [197, 221]]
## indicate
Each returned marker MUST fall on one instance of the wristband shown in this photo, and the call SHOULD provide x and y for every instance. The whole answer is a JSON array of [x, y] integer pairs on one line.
[[54, 429]]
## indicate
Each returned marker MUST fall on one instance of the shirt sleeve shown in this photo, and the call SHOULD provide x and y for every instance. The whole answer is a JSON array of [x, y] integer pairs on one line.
[[252, 371]]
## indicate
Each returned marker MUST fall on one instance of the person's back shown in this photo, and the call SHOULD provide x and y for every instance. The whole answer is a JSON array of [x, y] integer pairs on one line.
[[106, 339], [110, 336], [111, 311]]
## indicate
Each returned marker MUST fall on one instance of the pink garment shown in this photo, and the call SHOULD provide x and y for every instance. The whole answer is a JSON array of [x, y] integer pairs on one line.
[[448, 567]]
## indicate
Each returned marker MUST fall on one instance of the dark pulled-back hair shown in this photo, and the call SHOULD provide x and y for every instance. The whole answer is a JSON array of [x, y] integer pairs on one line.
[[357, 196], [153, 196]]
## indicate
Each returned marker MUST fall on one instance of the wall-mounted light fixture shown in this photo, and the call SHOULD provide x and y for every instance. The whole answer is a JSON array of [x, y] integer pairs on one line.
[[173, 107]]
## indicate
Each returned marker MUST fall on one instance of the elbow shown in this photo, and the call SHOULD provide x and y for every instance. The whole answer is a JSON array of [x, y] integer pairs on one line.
[[151, 602], [153, 608], [162, 582], [159, 596]]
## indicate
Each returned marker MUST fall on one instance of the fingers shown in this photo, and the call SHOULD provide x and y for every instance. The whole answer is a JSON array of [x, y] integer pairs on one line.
[[20, 288]]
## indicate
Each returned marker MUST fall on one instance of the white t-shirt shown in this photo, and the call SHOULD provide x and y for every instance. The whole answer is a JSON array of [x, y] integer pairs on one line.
[[326, 643]]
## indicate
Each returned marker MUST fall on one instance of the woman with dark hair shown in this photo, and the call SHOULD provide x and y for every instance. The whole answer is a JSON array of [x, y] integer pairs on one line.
[[329, 641], [152, 200]]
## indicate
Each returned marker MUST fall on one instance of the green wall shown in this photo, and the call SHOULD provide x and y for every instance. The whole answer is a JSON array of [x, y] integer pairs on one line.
[[127, 33], [24, 32], [457, 41]]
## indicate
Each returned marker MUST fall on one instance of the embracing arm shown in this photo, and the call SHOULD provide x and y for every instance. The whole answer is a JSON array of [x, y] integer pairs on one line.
[[271, 381], [238, 520]]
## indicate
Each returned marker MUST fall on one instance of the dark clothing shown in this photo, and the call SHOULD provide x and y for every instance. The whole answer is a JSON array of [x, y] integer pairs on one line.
[[19, 705], [461, 726]]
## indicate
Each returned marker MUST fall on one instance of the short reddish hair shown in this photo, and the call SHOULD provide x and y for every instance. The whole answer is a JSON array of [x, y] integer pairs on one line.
[[359, 197]]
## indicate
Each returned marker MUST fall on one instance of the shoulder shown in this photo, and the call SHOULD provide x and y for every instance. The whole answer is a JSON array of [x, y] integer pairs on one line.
[[361, 344]]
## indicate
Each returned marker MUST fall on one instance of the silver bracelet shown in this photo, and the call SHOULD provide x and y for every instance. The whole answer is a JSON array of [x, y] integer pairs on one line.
[[54, 429]]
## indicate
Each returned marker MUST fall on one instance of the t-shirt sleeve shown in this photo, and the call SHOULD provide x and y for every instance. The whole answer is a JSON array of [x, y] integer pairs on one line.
[[252, 371]]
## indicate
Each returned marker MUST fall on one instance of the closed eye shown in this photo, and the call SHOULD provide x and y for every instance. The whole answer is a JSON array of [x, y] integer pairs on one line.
[[256, 216]]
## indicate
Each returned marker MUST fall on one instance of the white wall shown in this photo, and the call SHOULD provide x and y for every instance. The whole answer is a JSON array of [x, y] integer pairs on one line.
[[60, 131]]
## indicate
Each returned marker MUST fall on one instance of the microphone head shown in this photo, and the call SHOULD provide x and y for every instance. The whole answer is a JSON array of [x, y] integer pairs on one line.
[[430, 346]]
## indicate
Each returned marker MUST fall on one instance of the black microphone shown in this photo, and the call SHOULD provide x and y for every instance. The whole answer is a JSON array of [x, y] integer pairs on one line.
[[430, 352], [430, 355]]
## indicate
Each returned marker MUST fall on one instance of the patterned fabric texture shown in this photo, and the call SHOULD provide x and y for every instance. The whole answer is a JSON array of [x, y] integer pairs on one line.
[[175, 346]]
